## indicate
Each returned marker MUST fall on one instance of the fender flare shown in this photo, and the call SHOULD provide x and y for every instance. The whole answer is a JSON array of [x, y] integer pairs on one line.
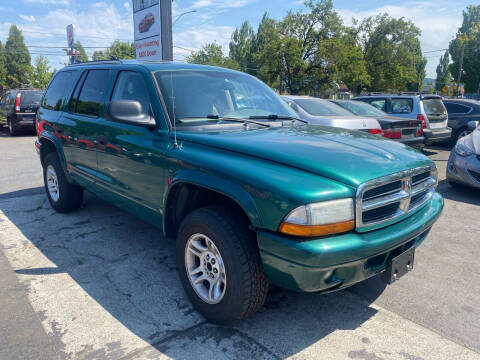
[[217, 184], [45, 136]]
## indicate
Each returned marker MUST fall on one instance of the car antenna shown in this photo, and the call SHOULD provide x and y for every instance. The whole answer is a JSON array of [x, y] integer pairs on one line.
[[175, 143]]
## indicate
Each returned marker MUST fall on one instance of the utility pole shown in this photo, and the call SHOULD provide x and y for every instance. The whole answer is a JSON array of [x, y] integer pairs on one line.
[[460, 70]]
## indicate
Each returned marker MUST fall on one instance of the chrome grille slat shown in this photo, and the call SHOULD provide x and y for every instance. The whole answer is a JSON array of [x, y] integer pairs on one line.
[[397, 194]]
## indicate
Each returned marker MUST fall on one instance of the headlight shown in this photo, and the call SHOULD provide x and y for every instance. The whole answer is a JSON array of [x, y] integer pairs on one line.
[[462, 149], [319, 219]]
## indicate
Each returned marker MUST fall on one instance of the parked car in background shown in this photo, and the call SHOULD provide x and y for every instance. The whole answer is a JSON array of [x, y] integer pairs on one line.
[[463, 167], [460, 113], [429, 109], [18, 108], [252, 195], [323, 112], [407, 131]]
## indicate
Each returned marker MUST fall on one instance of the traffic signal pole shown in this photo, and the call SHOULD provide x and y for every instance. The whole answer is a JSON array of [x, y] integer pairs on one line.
[[460, 70]]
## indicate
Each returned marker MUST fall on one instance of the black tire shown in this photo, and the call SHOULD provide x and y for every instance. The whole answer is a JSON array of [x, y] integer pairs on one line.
[[246, 284], [457, 133], [12, 129], [70, 196]]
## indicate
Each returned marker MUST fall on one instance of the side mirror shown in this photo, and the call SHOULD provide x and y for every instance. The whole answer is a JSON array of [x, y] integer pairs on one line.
[[472, 125], [129, 112]]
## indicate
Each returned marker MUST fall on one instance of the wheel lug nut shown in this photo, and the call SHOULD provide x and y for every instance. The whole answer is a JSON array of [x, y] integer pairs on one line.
[[213, 261], [208, 257], [215, 271]]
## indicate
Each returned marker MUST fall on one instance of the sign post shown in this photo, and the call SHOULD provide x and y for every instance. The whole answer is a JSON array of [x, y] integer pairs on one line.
[[71, 41], [152, 21]]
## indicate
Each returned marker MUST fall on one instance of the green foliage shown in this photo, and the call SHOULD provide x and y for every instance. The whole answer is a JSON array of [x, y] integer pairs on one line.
[[392, 53], [118, 50], [82, 54], [468, 35], [242, 46], [3, 69], [212, 54], [444, 77], [41, 73], [17, 59]]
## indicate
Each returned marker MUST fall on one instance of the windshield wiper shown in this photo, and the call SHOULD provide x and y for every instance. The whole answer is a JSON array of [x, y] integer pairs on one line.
[[276, 117], [221, 118]]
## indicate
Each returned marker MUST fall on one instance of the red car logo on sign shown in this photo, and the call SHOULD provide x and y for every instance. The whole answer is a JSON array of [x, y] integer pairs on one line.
[[146, 23]]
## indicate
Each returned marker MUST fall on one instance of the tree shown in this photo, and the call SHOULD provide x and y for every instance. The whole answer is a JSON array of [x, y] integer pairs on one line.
[[212, 54], [41, 73], [443, 73], [392, 53], [468, 35], [121, 50], [82, 54], [307, 51], [242, 46], [99, 55], [3, 69], [17, 59]]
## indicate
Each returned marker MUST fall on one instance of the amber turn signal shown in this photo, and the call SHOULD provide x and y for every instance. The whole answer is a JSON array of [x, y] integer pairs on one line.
[[316, 230]]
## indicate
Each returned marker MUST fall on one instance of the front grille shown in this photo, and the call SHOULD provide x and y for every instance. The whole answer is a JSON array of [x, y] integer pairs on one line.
[[475, 175], [393, 196]]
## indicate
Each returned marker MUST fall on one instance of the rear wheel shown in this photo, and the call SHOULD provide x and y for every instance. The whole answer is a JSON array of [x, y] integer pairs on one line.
[[12, 129], [219, 265], [62, 195], [462, 132]]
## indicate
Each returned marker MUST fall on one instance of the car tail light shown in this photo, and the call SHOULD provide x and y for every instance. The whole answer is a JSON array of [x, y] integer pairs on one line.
[[419, 131], [392, 133], [375, 131], [421, 117], [17, 103]]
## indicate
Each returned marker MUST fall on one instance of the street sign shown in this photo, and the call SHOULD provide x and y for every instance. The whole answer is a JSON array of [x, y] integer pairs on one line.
[[70, 35], [152, 21]]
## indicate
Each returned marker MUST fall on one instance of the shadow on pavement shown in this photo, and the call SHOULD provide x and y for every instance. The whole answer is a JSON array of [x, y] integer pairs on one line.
[[126, 267], [459, 193]]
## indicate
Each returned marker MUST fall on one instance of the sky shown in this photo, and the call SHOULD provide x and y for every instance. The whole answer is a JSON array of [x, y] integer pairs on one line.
[[98, 23]]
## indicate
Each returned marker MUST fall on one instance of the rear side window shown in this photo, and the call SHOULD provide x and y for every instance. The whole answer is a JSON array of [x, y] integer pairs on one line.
[[31, 97], [402, 106], [434, 107], [58, 90], [378, 103], [453, 108], [131, 86], [92, 95]]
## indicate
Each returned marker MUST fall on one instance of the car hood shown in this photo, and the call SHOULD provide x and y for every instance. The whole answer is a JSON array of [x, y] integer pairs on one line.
[[350, 157], [353, 122]]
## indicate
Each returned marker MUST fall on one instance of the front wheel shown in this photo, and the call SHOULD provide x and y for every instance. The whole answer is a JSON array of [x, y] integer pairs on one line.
[[62, 195], [219, 265]]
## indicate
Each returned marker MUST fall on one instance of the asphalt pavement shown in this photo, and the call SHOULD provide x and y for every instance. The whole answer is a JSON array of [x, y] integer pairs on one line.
[[101, 284]]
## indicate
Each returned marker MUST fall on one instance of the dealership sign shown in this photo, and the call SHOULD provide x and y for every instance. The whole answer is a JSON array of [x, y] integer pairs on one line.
[[147, 32], [70, 35]]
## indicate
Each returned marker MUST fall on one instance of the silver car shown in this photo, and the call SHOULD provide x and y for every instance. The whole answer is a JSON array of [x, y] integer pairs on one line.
[[463, 166], [323, 112]]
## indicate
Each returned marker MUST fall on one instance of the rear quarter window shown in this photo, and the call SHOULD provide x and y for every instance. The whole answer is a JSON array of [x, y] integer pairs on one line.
[[378, 103], [453, 108], [402, 106], [58, 91]]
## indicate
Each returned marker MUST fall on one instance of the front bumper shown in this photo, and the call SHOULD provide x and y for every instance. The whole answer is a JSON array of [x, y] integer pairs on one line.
[[336, 262], [432, 136], [462, 169]]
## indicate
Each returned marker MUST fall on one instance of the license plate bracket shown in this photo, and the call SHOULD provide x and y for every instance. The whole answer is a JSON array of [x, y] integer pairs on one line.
[[399, 266]]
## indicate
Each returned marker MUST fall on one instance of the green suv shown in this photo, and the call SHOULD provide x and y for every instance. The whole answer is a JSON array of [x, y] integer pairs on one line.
[[254, 196]]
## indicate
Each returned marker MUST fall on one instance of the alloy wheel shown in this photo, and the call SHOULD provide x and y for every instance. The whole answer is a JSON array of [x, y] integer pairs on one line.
[[205, 268], [52, 183]]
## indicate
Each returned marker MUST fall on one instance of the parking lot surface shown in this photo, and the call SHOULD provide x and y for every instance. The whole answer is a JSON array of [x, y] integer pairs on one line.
[[102, 284]]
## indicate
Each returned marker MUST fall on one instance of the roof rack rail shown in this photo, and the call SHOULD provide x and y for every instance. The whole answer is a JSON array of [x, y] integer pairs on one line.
[[93, 62]]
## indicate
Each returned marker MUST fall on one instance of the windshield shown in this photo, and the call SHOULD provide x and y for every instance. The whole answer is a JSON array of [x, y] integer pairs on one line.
[[31, 97], [317, 107], [204, 95], [434, 107], [362, 109]]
